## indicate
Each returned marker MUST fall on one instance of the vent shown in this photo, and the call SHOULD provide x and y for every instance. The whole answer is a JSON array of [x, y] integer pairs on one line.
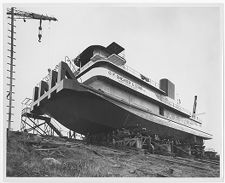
[[169, 88], [116, 59]]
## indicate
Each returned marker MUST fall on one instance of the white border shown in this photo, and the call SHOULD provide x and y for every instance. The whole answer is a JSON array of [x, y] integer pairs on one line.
[[154, 3]]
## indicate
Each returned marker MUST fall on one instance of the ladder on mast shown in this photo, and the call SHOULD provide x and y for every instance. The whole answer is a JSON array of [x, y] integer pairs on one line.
[[13, 15]]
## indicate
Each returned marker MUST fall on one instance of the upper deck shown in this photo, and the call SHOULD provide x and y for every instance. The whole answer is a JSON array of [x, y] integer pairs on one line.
[[95, 55]]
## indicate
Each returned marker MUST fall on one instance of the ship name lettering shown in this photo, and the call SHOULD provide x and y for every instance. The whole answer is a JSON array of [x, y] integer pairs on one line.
[[125, 81]]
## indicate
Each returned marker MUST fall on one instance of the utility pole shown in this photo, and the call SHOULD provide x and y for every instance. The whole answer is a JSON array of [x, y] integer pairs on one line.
[[14, 14]]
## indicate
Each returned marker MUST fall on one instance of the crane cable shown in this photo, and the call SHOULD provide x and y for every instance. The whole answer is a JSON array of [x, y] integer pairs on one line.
[[40, 31]]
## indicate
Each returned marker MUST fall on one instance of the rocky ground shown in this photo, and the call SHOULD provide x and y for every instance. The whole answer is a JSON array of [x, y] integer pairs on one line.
[[36, 156]]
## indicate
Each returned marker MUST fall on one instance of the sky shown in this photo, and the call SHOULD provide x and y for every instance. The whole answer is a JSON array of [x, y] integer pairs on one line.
[[181, 43]]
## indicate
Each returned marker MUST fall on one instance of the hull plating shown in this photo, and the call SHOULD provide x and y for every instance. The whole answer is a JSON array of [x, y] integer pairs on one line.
[[86, 110]]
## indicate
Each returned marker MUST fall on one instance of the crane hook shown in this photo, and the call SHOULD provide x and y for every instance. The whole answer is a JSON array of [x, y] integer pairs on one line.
[[40, 32]]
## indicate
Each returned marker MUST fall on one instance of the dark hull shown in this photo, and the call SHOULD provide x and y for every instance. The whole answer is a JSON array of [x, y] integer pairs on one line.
[[85, 110]]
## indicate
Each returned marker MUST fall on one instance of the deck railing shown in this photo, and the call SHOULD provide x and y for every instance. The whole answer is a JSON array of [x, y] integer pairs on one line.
[[128, 69], [138, 74], [68, 62], [26, 105], [150, 81], [184, 121]]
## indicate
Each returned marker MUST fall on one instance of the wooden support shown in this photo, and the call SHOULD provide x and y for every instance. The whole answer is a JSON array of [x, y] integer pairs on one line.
[[34, 128]]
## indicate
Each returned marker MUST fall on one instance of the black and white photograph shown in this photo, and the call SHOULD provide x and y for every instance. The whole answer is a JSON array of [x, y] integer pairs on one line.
[[112, 90]]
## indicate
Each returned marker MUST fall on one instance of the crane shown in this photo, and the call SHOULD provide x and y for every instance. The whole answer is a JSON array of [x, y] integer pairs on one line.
[[14, 14]]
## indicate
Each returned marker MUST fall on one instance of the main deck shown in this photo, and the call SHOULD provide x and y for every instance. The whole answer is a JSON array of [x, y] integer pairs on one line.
[[85, 109]]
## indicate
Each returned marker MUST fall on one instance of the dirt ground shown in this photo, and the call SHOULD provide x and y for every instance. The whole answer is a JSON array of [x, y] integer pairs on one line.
[[38, 156]]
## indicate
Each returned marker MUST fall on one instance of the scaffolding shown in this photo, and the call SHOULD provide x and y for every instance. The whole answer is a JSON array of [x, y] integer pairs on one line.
[[37, 124]]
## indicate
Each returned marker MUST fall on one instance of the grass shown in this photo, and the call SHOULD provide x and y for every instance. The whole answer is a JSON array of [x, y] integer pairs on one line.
[[77, 159], [24, 161]]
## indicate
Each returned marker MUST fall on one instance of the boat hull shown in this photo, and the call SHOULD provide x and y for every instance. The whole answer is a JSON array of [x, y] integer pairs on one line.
[[86, 110]]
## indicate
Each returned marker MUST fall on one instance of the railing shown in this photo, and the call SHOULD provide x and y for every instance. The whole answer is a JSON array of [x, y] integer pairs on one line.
[[181, 121], [196, 119], [26, 105], [138, 74], [127, 69], [26, 102], [122, 54], [26, 110], [86, 66], [67, 61], [172, 104], [70, 64], [151, 82]]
